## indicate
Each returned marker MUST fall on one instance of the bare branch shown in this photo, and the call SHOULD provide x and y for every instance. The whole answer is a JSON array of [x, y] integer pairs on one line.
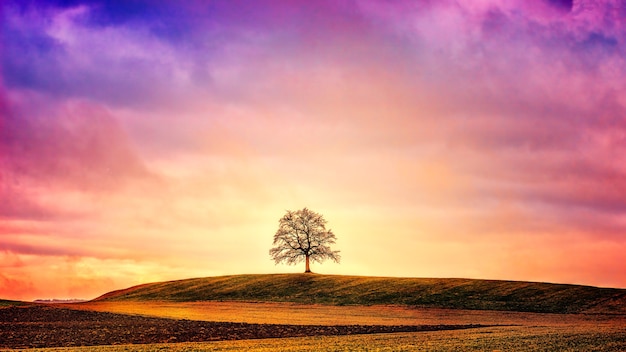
[[303, 234]]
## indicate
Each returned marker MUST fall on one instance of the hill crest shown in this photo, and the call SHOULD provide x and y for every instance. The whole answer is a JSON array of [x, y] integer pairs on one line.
[[364, 290]]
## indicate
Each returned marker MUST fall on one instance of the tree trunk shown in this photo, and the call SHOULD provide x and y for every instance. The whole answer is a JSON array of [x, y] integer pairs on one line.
[[308, 268]]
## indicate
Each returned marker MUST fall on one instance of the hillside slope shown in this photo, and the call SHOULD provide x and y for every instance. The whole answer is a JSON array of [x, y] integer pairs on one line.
[[362, 290], [7, 303]]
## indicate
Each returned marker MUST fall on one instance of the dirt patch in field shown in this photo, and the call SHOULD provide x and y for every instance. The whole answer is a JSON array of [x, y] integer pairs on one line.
[[47, 326]]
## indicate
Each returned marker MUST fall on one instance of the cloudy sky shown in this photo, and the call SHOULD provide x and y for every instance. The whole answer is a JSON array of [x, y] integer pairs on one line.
[[152, 140]]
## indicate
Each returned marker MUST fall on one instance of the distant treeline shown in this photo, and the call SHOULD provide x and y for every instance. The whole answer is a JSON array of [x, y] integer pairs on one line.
[[72, 300]]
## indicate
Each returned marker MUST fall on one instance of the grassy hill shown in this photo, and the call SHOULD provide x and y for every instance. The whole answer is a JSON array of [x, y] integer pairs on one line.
[[362, 290], [6, 303]]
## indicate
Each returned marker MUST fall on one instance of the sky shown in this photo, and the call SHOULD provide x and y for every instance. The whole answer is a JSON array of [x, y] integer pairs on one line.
[[144, 141]]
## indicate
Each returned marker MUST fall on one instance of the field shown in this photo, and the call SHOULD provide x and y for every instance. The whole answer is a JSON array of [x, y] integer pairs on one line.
[[362, 290], [529, 332], [316, 314], [492, 339], [7, 303], [146, 318]]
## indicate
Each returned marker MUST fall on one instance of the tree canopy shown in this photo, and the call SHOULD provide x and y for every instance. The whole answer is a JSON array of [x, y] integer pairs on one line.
[[302, 235]]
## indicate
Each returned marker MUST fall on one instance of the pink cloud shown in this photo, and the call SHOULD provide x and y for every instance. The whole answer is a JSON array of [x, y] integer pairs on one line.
[[77, 144]]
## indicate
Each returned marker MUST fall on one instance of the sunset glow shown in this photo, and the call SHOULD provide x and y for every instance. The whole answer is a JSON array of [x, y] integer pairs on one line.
[[164, 140]]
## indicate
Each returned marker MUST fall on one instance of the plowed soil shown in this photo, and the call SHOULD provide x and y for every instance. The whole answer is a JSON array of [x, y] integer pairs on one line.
[[52, 326]]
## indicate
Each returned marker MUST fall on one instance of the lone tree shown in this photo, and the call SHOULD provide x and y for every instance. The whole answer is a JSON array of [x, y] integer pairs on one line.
[[302, 234]]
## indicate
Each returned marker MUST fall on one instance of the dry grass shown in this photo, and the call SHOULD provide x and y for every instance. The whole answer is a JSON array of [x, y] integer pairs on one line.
[[7, 303], [292, 313], [518, 338], [365, 290], [277, 313], [529, 332], [341, 300]]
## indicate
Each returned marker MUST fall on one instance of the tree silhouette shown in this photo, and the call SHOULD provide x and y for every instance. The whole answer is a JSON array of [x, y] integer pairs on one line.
[[302, 234]]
